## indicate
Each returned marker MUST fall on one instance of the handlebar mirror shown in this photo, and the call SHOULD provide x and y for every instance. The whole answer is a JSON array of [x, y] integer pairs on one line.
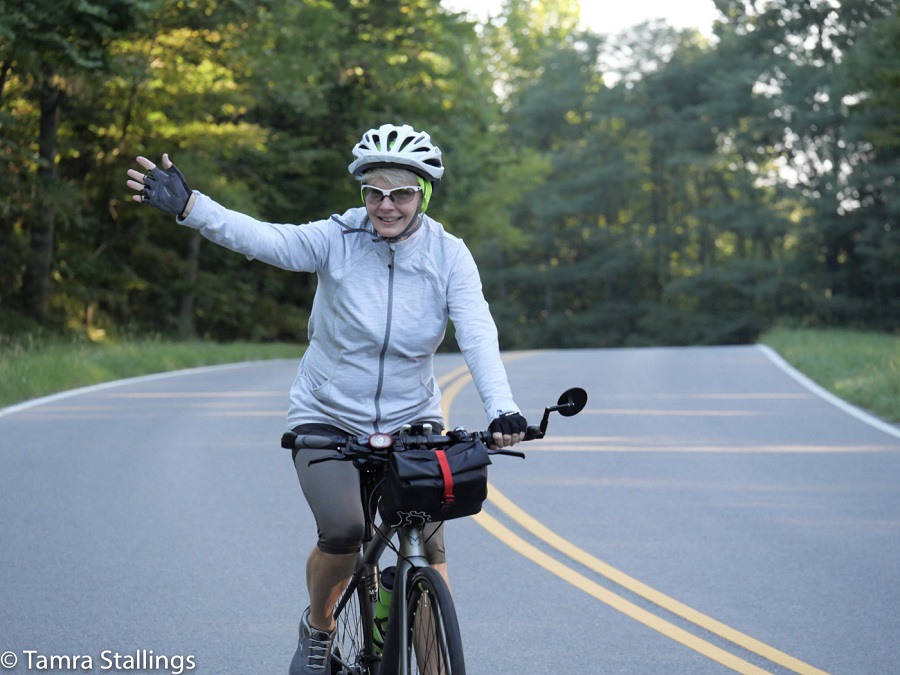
[[572, 402]]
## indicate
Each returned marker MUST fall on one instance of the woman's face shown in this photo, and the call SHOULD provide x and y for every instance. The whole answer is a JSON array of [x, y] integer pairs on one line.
[[389, 216]]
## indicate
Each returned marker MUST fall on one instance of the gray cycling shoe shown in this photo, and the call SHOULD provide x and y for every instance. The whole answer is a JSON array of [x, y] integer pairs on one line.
[[313, 655]]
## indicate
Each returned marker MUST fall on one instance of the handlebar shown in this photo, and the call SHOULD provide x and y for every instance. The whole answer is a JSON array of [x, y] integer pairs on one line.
[[379, 446], [364, 448]]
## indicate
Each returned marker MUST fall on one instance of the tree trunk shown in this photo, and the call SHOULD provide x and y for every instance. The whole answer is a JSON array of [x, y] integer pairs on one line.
[[36, 282], [186, 325], [5, 67]]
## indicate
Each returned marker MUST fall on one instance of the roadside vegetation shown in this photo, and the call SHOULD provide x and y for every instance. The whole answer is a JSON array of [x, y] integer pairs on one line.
[[31, 367], [861, 368]]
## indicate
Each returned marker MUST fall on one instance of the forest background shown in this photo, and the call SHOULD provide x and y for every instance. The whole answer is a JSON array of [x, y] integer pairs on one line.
[[653, 187]]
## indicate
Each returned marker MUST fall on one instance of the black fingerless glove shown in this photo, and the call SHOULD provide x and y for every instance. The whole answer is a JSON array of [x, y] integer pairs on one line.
[[509, 424], [166, 190]]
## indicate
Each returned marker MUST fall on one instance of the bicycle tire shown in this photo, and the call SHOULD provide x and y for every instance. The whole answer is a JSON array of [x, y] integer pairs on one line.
[[350, 653], [435, 643]]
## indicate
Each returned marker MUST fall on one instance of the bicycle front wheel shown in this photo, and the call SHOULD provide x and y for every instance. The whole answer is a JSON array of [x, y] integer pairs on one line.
[[353, 618], [433, 638]]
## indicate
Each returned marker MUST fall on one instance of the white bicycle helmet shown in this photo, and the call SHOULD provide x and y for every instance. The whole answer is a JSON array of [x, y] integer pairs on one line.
[[391, 146]]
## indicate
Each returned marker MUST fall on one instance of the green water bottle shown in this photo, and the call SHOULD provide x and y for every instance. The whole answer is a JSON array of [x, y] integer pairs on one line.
[[383, 607]]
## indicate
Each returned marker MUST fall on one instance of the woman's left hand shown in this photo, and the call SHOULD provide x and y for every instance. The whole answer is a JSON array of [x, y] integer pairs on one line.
[[508, 429]]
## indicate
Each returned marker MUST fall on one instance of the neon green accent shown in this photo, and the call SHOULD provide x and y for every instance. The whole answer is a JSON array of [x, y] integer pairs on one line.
[[426, 193], [382, 612]]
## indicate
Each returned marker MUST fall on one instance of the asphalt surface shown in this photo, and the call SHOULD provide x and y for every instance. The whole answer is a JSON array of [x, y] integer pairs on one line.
[[707, 513]]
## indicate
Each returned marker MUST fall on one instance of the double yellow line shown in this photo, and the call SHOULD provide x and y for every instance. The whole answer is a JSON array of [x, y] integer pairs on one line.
[[452, 384]]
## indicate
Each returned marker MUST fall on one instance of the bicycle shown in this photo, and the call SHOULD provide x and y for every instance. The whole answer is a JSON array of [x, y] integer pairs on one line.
[[422, 634]]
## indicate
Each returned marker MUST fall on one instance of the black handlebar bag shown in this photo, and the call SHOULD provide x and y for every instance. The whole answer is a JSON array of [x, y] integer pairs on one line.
[[434, 485]]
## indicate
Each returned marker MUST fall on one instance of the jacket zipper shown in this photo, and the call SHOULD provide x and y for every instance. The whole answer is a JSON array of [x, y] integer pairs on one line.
[[387, 336]]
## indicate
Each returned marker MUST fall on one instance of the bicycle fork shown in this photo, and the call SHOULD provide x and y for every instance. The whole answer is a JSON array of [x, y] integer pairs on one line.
[[412, 556]]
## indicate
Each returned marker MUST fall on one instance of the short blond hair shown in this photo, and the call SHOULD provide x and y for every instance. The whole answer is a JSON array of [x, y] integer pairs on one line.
[[390, 176]]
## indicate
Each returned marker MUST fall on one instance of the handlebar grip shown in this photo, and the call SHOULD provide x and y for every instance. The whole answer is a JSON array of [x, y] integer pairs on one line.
[[290, 440]]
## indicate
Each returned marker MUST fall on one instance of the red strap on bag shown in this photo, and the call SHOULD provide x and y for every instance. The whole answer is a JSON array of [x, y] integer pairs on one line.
[[449, 498]]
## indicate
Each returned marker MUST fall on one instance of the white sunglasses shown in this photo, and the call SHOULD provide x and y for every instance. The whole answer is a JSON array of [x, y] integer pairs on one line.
[[399, 195]]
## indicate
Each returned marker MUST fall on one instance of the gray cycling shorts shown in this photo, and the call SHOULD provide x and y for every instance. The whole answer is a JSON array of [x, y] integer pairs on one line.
[[332, 492]]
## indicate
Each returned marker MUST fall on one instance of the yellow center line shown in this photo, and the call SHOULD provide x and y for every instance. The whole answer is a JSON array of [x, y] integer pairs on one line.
[[456, 380], [617, 602], [639, 588]]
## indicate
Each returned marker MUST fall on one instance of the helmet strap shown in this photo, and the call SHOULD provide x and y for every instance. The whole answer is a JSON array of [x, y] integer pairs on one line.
[[408, 231]]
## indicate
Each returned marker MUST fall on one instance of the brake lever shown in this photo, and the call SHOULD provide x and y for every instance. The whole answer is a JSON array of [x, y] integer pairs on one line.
[[338, 457], [504, 451]]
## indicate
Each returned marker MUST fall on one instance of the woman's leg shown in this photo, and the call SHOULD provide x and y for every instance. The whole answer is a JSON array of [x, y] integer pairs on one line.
[[327, 575], [332, 490]]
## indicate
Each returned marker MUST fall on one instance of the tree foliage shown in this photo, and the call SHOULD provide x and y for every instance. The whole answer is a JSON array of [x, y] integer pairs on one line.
[[652, 187]]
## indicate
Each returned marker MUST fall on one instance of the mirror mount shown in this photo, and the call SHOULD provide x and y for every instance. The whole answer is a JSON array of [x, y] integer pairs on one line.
[[570, 403]]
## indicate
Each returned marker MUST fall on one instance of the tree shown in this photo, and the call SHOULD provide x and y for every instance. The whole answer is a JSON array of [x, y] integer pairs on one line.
[[46, 46], [650, 187], [801, 139], [873, 79]]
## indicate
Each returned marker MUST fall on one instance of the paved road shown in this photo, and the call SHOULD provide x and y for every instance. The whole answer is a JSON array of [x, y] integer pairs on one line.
[[705, 514]]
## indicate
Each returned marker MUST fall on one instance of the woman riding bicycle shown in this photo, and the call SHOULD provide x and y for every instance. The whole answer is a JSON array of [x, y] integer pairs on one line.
[[389, 278]]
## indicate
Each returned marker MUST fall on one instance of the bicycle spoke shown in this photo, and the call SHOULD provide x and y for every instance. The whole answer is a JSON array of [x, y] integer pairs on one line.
[[348, 652]]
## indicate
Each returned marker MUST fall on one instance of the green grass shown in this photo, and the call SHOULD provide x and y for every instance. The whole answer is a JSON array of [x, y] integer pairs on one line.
[[33, 367], [861, 368]]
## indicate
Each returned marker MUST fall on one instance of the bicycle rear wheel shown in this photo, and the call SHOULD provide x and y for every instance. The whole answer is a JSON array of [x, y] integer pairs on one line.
[[350, 654], [435, 644]]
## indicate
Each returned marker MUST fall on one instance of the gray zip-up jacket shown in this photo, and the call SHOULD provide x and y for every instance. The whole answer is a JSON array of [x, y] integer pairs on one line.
[[379, 314]]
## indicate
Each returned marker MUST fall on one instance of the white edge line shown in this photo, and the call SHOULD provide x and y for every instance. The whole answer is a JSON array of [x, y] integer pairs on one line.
[[33, 403], [827, 396]]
